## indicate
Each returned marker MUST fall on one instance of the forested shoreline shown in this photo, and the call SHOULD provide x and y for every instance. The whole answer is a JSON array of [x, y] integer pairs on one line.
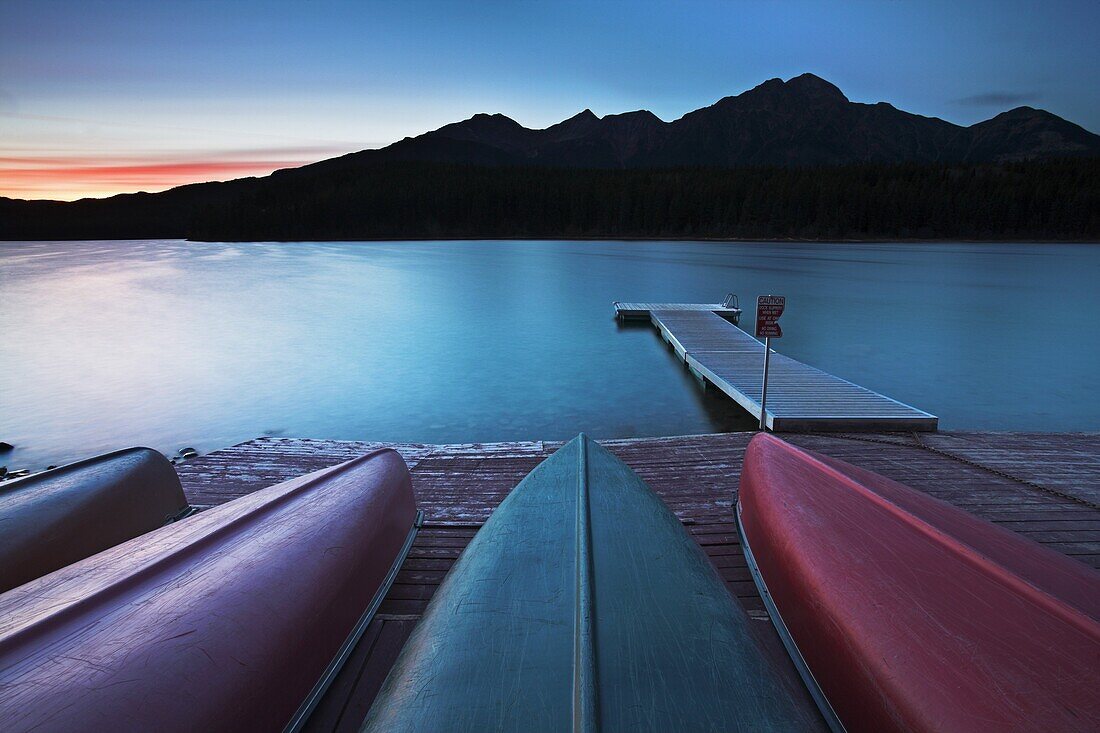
[[1049, 200]]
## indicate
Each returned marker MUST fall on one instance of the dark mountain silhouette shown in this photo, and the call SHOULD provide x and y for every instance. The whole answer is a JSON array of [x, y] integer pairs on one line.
[[791, 154], [804, 121], [1026, 133]]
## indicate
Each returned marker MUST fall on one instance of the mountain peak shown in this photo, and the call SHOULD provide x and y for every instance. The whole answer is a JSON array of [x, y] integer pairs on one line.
[[1025, 132], [642, 115], [1028, 116], [578, 125], [497, 130], [803, 90], [1024, 112], [583, 119], [495, 116], [815, 87]]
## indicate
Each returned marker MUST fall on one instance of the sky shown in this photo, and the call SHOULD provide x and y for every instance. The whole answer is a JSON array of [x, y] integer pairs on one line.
[[98, 98]]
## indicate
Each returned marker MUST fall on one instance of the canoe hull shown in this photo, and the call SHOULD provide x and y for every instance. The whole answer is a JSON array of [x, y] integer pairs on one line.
[[222, 622], [52, 519], [912, 615], [583, 604]]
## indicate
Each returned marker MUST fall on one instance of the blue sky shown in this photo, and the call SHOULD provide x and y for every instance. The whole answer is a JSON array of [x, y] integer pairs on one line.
[[101, 97]]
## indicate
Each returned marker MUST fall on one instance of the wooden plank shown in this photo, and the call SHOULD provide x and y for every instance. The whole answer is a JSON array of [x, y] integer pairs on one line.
[[331, 707], [384, 653]]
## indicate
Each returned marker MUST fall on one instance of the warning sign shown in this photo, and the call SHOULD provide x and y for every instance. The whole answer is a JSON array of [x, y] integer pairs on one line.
[[768, 310]]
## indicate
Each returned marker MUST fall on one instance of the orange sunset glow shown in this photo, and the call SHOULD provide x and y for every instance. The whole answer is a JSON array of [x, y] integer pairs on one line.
[[74, 177]]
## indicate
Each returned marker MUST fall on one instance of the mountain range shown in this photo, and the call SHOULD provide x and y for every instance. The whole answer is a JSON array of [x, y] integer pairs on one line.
[[786, 158], [803, 121]]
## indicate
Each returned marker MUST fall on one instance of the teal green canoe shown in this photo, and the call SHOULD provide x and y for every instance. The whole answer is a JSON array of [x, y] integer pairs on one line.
[[584, 605]]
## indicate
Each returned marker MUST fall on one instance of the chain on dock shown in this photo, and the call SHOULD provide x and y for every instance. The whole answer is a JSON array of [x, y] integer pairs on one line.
[[918, 443]]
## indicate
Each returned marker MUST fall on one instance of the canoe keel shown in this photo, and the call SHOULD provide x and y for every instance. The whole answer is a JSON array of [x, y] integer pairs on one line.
[[584, 605]]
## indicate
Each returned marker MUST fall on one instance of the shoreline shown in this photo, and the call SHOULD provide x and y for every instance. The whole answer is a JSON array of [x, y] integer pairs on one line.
[[744, 240], [741, 240]]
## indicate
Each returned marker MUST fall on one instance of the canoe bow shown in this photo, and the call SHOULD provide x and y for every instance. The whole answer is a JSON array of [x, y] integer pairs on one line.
[[584, 605]]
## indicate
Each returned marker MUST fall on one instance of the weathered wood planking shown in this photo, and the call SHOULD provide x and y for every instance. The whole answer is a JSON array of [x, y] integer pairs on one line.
[[642, 311], [241, 469], [800, 397], [458, 486], [1055, 460]]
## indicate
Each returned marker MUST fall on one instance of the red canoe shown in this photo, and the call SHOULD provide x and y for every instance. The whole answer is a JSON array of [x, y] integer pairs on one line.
[[231, 620], [56, 517], [908, 614]]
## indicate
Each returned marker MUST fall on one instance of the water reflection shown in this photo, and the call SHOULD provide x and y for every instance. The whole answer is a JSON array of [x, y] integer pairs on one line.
[[169, 343]]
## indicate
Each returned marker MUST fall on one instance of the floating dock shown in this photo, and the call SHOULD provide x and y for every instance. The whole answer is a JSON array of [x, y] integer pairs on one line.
[[642, 311], [801, 398], [1045, 486]]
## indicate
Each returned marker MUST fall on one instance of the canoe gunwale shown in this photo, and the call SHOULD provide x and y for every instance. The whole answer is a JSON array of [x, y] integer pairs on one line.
[[306, 709], [184, 513], [789, 644]]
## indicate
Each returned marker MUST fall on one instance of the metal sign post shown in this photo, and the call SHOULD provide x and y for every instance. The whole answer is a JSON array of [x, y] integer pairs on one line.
[[768, 310], [764, 386]]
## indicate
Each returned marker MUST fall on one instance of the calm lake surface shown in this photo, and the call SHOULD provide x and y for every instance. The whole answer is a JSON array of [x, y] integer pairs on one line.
[[171, 343]]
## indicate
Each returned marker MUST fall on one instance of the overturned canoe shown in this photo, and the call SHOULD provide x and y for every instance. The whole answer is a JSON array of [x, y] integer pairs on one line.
[[582, 604], [908, 614], [56, 517], [231, 620]]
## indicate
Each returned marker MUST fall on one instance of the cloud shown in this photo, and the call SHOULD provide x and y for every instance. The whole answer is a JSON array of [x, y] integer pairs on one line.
[[997, 99]]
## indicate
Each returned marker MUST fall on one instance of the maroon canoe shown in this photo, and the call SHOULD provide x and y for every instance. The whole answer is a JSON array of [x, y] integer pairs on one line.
[[908, 614], [56, 517], [230, 620]]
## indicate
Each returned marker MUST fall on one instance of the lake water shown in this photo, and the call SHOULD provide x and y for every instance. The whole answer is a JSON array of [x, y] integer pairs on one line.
[[171, 343]]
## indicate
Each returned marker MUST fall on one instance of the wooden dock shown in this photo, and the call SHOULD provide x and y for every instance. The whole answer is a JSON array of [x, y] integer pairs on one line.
[[801, 398], [1045, 486], [642, 311]]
